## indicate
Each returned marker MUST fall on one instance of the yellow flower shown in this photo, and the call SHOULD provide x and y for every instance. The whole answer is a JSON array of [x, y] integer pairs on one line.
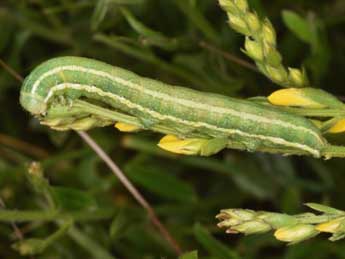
[[338, 127], [293, 97], [182, 146], [295, 233], [125, 127], [330, 226]]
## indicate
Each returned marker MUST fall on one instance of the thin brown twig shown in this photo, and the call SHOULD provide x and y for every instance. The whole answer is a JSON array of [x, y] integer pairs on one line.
[[23, 146], [11, 71], [228, 56], [132, 189]]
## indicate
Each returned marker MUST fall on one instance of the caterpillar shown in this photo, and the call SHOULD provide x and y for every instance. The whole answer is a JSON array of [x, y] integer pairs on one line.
[[80, 93]]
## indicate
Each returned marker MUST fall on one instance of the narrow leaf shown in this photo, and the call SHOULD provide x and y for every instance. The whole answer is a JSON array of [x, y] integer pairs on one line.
[[213, 246], [190, 255], [323, 208], [299, 26], [72, 199]]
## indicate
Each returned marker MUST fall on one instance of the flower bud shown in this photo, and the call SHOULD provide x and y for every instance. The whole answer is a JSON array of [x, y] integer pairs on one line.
[[238, 24], [276, 74], [83, 124], [253, 49], [269, 34], [252, 227], [277, 220], [241, 214], [125, 127], [332, 226], [182, 146], [296, 233], [36, 177], [297, 77], [338, 127], [228, 6], [30, 246], [229, 223], [242, 5], [253, 21], [273, 56], [304, 97]]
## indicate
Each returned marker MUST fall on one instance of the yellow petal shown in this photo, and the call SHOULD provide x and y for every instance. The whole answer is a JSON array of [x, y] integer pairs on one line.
[[168, 138], [295, 233], [338, 127], [292, 97], [330, 226], [181, 146], [124, 127]]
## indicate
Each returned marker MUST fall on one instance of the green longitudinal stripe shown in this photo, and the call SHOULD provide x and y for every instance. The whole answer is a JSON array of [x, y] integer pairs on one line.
[[157, 115], [181, 101]]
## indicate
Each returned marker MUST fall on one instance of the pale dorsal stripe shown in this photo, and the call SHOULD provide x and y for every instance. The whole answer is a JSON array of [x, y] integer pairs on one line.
[[154, 114], [185, 102]]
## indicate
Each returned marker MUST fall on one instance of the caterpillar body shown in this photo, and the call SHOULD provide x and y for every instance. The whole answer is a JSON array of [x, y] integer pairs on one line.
[[60, 82]]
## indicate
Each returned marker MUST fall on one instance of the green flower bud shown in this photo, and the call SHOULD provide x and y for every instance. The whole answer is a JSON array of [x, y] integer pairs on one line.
[[297, 77], [238, 25], [252, 227], [253, 21], [269, 34], [228, 6], [277, 220], [229, 223], [273, 57], [276, 74], [36, 177], [333, 226], [29, 246], [253, 49], [241, 4], [296, 233], [241, 214]]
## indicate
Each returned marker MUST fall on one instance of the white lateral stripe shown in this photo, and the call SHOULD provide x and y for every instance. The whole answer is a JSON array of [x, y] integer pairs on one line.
[[100, 92], [185, 102]]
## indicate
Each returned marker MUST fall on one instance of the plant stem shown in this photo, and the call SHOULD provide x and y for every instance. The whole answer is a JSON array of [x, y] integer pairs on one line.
[[132, 189], [51, 215], [88, 244]]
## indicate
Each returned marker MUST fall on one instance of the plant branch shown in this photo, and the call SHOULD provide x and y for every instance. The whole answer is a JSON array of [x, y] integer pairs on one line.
[[132, 189]]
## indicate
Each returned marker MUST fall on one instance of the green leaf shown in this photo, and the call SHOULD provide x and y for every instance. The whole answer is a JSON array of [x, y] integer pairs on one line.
[[190, 255], [162, 183], [118, 225], [151, 37], [100, 12], [323, 208], [213, 246], [72, 199], [300, 27]]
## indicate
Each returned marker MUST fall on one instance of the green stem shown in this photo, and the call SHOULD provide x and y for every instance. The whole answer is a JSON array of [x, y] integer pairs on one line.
[[96, 250], [317, 219], [333, 151], [51, 215]]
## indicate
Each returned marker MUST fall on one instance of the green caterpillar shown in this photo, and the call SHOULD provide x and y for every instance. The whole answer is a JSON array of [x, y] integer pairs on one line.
[[80, 93]]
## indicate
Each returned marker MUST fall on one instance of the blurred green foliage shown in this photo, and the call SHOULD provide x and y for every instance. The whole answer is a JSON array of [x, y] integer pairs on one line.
[[76, 208]]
